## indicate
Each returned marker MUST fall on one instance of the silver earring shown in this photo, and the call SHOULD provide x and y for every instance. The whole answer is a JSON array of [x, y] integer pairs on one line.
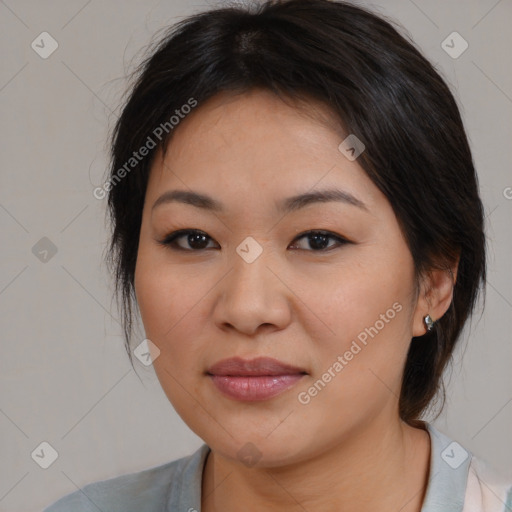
[[429, 323]]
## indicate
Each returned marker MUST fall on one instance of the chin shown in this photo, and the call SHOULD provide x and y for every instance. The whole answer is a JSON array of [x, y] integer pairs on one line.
[[257, 451]]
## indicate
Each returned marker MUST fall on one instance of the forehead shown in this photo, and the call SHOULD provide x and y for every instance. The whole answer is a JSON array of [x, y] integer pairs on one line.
[[251, 117], [254, 144]]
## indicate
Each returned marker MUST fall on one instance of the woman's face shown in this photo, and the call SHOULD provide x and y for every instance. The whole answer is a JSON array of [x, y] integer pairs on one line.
[[340, 306]]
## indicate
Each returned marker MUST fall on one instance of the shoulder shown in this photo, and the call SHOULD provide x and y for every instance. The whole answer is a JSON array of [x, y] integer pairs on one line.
[[153, 489], [460, 481], [486, 490]]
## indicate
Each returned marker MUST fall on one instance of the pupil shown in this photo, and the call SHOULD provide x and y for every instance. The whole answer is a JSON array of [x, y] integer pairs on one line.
[[316, 238], [192, 239]]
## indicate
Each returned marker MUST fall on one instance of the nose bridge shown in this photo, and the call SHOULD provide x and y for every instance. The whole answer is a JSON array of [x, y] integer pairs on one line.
[[250, 272], [251, 294]]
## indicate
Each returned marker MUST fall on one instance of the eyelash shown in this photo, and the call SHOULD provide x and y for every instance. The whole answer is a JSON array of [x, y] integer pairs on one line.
[[170, 240]]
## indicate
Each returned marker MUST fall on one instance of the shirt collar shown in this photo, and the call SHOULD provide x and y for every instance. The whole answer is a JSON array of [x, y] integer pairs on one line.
[[448, 476], [185, 490]]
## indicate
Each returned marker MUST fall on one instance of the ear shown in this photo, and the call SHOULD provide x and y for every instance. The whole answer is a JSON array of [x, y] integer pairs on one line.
[[435, 296]]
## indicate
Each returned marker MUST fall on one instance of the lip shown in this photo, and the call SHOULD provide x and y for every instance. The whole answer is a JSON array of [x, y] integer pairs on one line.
[[260, 366], [253, 380]]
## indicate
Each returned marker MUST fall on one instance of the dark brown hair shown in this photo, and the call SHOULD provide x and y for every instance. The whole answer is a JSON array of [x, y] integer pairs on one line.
[[379, 87]]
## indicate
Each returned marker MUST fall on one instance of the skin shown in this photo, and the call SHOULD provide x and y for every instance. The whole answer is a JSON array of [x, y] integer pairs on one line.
[[295, 303]]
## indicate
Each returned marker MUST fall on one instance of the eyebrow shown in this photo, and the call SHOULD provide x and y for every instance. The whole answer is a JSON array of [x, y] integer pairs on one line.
[[285, 206]]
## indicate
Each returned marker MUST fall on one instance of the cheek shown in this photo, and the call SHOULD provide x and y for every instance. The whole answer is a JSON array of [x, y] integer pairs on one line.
[[172, 302], [353, 299], [168, 305], [368, 310]]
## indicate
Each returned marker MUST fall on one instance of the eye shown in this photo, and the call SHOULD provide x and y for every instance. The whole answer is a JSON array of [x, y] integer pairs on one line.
[[196, 240], [318, 240]]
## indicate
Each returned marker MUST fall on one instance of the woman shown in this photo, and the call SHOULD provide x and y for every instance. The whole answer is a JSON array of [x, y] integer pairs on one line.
[[296, 216]]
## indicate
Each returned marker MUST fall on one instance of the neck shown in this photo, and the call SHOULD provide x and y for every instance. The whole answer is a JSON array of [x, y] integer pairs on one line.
[[380, 467]]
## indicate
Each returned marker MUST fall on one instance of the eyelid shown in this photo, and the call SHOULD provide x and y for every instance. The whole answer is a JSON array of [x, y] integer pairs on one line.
[[324, 232], [169, 239], [341, 240]]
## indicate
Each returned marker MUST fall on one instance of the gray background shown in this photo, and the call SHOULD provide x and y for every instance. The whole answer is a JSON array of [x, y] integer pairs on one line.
[[65, 378]]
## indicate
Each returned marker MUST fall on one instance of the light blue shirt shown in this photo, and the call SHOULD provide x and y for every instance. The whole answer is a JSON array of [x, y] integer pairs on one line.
[[176, 486]]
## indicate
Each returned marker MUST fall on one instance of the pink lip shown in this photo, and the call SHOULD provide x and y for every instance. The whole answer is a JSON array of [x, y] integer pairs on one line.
[[253, 380]]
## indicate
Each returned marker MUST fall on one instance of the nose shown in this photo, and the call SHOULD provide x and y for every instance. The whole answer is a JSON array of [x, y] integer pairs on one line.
[[253, 297]]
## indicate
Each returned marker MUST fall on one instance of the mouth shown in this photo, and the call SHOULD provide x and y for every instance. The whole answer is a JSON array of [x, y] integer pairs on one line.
[[253, 380]]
